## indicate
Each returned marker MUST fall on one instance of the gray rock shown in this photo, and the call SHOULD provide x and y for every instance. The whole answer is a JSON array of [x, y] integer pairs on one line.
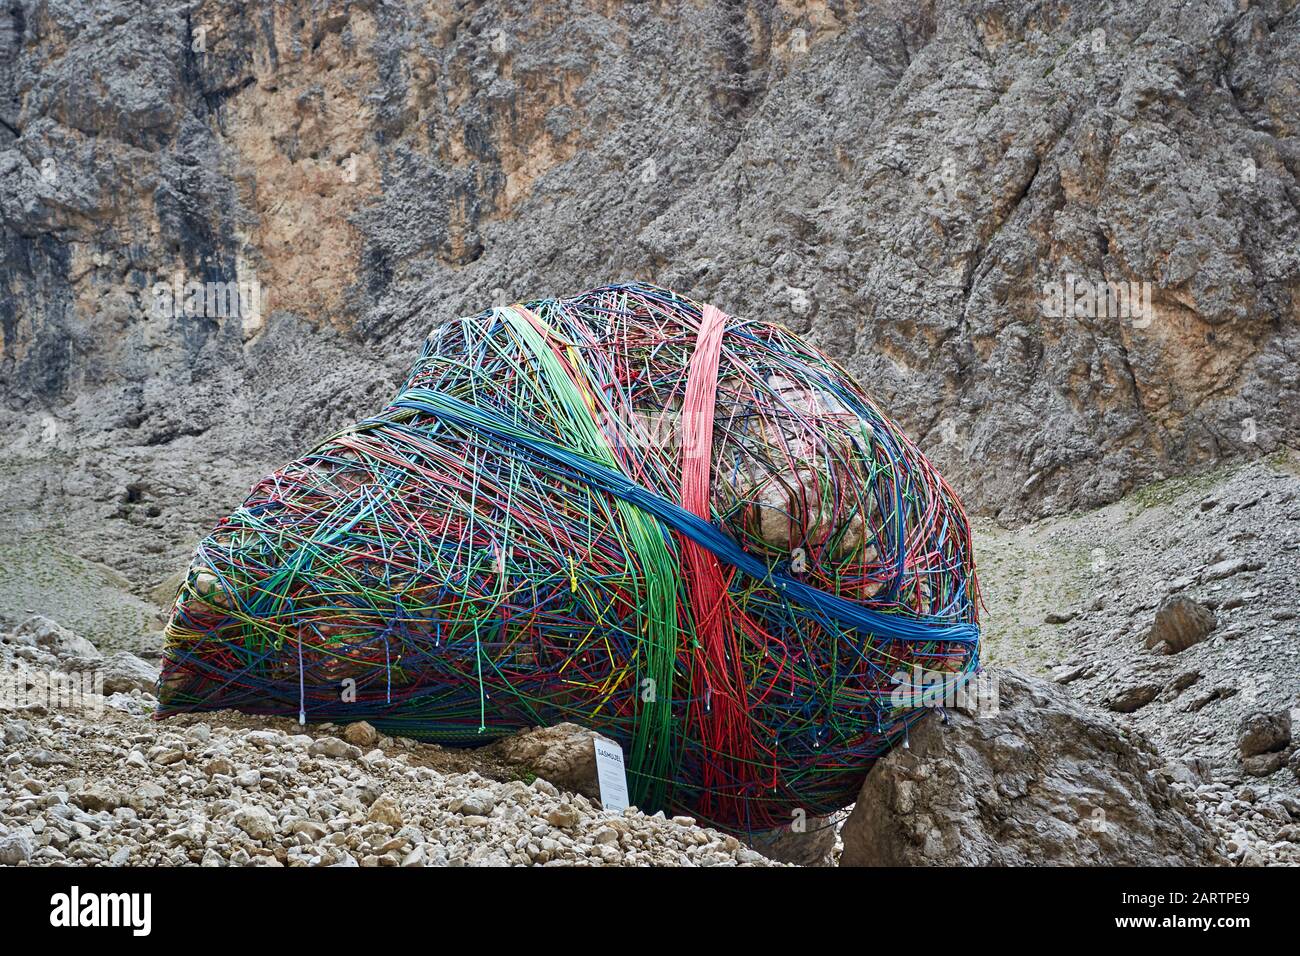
[[219, 766], [1264, 733], [813, 845], [146, 798], [55, 638], [267, 739], [1068, 673], [565, 816], [333, 747], [122, 672], [1225, 569], [1128, 698], [248, 779], [1179, 623], [1043, 781], [416, 857], [1192, 771], [99, 797], [1262, 765], [563, 754], [48, 758], [475, 803], [310, 828], [386, 811], [15, 848], [256, 821]]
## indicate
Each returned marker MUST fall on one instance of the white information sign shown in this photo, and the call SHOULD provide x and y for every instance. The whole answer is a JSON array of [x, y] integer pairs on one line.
[[611, 774]]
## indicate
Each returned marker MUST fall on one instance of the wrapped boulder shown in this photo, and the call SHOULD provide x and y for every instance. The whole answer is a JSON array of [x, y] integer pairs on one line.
[[691, 533]]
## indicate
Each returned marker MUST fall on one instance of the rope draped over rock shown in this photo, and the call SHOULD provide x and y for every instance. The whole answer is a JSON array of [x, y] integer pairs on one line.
[[691, 533]]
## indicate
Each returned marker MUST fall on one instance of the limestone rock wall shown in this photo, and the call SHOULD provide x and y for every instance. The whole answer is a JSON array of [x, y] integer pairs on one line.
[[905, 182]]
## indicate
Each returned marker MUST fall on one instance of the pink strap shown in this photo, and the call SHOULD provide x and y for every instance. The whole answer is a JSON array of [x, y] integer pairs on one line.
[[718, 683], [698, 407]]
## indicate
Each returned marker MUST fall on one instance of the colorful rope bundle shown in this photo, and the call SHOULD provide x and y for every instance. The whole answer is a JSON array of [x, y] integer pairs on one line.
[[691, 533]]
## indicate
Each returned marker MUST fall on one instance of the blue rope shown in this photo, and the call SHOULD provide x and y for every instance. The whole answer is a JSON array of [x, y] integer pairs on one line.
[[516, 439]]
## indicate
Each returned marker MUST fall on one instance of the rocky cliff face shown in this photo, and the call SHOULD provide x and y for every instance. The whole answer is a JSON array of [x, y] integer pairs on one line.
[[919, 187]]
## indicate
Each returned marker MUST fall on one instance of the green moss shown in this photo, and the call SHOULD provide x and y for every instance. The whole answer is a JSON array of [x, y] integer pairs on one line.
[[37, 576], [1171, 489]]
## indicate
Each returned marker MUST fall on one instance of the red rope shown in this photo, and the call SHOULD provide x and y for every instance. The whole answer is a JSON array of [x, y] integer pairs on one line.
[[718, 677]]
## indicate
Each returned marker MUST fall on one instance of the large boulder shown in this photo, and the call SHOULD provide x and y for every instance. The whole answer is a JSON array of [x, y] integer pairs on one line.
[[564, 755], [122, 671], [1041, 781], [1180, 622], [1264, 733], [56, 638]]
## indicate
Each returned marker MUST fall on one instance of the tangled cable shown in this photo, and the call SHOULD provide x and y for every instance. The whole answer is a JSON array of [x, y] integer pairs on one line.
[[691, 533]]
